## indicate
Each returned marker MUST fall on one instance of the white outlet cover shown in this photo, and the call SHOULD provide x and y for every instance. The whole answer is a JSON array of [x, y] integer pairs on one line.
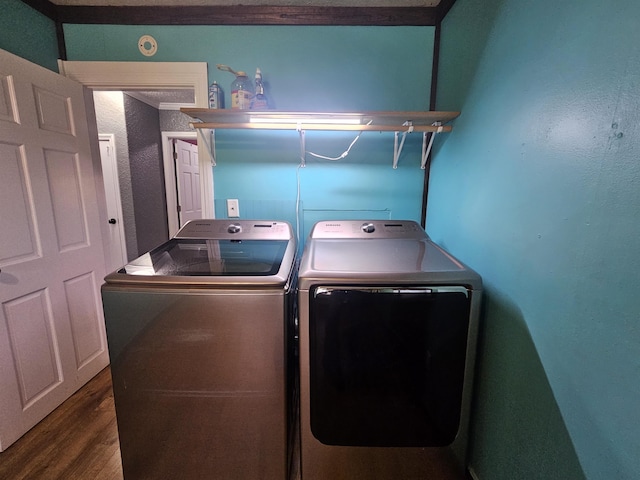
[[147, 45], [233, 208]]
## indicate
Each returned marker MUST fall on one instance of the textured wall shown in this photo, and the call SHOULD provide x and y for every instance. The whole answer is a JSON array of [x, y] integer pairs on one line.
[[147, 173], [174, 121], [538, 188]]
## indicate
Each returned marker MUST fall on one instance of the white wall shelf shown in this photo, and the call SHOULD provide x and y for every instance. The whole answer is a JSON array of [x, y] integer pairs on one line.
[[383, 121], [354, 121]]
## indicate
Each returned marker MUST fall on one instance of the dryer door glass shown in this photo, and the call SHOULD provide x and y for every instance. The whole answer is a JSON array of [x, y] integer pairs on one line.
[[387, 364]]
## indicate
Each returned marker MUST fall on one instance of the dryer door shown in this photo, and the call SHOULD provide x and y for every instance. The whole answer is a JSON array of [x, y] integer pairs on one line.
[[387, 364]]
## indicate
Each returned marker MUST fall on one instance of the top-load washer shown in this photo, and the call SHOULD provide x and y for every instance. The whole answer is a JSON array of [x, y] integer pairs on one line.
[[200, 334], [388, 328]]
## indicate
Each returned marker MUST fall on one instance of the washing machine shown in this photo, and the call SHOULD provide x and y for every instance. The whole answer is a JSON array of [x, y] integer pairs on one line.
[[200, 334], [388, 329]]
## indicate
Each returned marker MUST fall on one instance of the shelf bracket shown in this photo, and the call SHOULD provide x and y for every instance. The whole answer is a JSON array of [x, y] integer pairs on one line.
[[211, 145], [397, 149], [303, 147], [426, 149]]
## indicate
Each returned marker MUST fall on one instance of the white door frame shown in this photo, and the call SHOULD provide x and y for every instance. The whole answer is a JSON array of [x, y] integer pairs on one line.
[[156, 76], [170, 175]]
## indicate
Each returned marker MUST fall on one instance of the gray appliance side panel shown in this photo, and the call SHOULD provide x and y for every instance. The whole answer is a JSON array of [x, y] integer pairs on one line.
[[199, 381]]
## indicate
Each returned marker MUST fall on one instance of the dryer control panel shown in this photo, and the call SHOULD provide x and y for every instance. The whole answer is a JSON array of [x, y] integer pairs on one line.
[[357, 229]]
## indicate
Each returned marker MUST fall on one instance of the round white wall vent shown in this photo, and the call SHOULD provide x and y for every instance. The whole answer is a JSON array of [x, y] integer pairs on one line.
[[148, 45]]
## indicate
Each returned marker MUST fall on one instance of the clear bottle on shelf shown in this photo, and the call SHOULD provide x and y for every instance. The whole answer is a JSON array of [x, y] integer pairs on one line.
[[259, 101], [216, 96], [241, 92]]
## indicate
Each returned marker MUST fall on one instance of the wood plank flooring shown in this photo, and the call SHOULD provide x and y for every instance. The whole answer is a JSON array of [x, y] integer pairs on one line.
[[77, 441]]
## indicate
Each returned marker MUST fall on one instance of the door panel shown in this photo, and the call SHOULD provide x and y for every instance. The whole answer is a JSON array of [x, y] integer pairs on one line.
[[63, 179], [7, 110], [16, 206], [30, 328], [53, 111], [52, 337], [81, 295]]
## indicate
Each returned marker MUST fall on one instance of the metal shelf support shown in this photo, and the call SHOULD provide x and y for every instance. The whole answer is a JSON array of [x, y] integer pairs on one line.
[[427, 150]]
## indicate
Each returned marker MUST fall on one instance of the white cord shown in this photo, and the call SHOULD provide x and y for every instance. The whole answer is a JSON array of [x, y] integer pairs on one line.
[[301, 165], [344, 154]]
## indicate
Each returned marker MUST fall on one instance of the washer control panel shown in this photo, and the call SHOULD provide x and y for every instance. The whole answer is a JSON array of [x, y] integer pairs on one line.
[[238, 229], [358, 229]]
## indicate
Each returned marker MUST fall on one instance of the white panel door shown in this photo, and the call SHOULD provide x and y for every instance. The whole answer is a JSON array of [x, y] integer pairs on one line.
[[117, 246], [188, 174], [52, 337]]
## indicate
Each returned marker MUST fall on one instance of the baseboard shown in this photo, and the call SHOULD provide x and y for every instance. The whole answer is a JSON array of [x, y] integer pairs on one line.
[[471, 474]]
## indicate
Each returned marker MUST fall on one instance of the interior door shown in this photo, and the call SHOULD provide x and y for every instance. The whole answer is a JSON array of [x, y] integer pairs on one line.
[[52, 337], [117, 247], [188, 174]]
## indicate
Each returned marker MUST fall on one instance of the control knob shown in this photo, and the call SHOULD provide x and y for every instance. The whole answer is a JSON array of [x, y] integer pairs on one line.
[[233, 228], [368, 227]]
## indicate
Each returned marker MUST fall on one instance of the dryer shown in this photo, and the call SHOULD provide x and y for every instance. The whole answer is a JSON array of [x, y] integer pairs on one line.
[[200, 335], [388, 329]]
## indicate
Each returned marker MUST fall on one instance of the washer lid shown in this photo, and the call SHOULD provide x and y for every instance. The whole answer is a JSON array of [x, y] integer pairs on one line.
[[377, 252], [218, 252], [394, 256], [203, 257]]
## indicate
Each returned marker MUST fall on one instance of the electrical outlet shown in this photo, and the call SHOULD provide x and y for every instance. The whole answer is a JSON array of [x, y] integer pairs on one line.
[[233, 208]]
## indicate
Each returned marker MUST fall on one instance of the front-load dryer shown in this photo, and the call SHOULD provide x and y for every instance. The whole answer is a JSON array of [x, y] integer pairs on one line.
[[200, 338], [388, 328]]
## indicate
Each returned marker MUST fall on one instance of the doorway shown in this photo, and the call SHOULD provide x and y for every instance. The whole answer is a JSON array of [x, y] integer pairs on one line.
[[138, 77]]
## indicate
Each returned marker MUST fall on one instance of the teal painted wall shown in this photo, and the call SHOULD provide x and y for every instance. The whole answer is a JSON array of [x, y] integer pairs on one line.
[[538, 189], [29, 34], [305, 68]]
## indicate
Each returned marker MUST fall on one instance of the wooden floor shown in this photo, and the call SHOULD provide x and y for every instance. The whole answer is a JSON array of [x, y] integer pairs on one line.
[[78, 441]]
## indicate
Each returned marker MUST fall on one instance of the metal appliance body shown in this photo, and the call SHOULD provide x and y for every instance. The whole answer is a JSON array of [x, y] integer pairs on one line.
[[200, 333], [388, 329]]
